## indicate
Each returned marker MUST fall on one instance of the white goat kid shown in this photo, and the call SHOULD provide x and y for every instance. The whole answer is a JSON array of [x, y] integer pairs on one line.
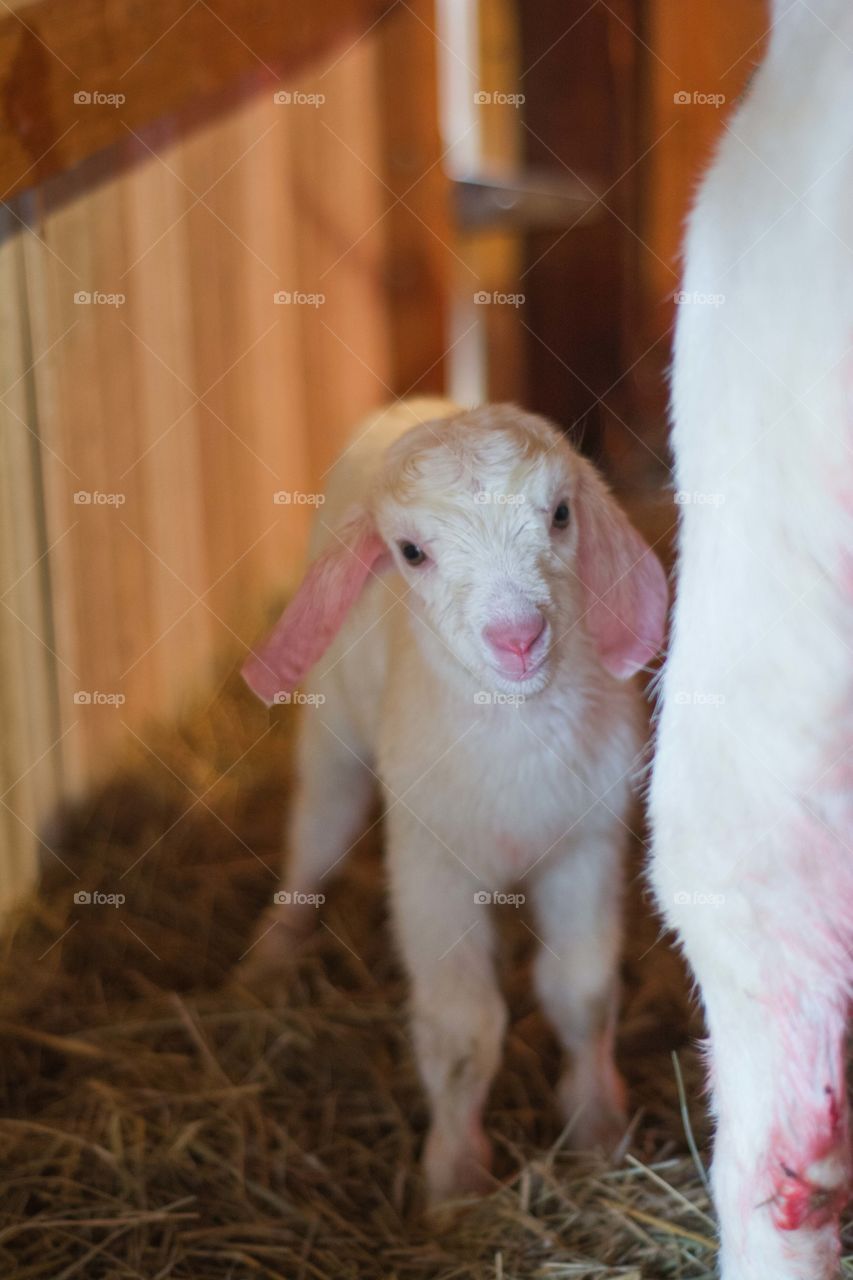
[[481, 679], [752, 803]]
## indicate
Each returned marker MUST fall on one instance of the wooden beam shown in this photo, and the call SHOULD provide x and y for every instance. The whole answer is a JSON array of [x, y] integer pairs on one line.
[[417, 224], [75, 75], [574, 122]]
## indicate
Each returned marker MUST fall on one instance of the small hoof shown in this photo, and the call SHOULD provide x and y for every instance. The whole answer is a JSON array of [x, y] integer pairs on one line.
[[453, 1171], [600, 1131], [596, 1123], [273, 950]]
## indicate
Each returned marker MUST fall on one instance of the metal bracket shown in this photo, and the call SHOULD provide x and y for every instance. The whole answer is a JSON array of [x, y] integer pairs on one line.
[[531, 201]]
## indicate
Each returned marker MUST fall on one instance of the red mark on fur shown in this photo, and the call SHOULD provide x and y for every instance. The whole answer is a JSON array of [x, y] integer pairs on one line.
[[814, 1194], [799, 1203]]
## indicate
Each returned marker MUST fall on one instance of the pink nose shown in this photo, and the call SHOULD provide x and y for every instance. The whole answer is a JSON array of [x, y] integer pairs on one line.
[[517, 636]]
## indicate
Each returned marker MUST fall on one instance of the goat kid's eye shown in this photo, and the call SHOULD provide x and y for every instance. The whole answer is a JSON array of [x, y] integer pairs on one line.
[[412, 553], [561, 516]]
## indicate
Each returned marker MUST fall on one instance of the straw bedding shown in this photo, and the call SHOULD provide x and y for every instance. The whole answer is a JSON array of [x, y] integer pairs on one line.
[[161, 1120]]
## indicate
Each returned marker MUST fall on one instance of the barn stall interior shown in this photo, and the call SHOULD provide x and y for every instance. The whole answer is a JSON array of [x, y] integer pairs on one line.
[[229, 231]]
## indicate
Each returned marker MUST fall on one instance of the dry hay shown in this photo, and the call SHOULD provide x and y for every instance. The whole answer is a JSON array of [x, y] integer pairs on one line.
[[160, 1121]]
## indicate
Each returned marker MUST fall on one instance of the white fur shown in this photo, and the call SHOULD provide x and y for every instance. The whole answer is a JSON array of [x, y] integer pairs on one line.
[[751, 800], [481, 794]]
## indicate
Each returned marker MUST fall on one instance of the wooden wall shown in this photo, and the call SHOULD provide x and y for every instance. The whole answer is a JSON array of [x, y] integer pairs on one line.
[[159, 393], [709, 51], [704, 54]]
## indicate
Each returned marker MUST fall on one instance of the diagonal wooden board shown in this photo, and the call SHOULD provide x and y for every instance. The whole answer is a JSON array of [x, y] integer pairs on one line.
[[75, 77]]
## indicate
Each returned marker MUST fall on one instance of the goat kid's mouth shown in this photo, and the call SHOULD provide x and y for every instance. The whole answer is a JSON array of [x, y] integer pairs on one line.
[[520, 678]]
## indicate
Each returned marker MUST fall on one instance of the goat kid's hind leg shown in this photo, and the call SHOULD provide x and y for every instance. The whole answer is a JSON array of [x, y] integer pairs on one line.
[[777, 1040], [458, 1016], [577, 902], [334, 790]]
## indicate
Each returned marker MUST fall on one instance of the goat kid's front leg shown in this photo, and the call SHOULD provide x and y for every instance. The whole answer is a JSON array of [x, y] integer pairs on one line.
[[446, 938], [577, 902], [334, 791]]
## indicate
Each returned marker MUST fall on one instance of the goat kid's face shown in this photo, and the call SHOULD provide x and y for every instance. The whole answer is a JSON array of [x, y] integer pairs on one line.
[[482, 530], [507, 540]]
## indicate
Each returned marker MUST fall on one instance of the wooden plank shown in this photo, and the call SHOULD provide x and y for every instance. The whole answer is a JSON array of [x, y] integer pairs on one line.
[[83, 382], [274, 393], [162, 531], [704, 56], [573, 279], [73, 76], [29, 750], [695, 61], [341, 234], [497, 255], [199, 397], [420, 258]]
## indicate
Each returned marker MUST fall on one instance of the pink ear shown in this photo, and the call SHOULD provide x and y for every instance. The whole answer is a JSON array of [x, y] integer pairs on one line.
[[625, 585], [314, 616]]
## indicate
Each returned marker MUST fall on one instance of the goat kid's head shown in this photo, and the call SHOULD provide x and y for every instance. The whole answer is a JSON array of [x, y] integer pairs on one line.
[[508, 542]]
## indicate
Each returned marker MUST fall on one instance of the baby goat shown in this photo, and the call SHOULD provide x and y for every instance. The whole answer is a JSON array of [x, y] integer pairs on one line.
[[752, 796], [475, 605]]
